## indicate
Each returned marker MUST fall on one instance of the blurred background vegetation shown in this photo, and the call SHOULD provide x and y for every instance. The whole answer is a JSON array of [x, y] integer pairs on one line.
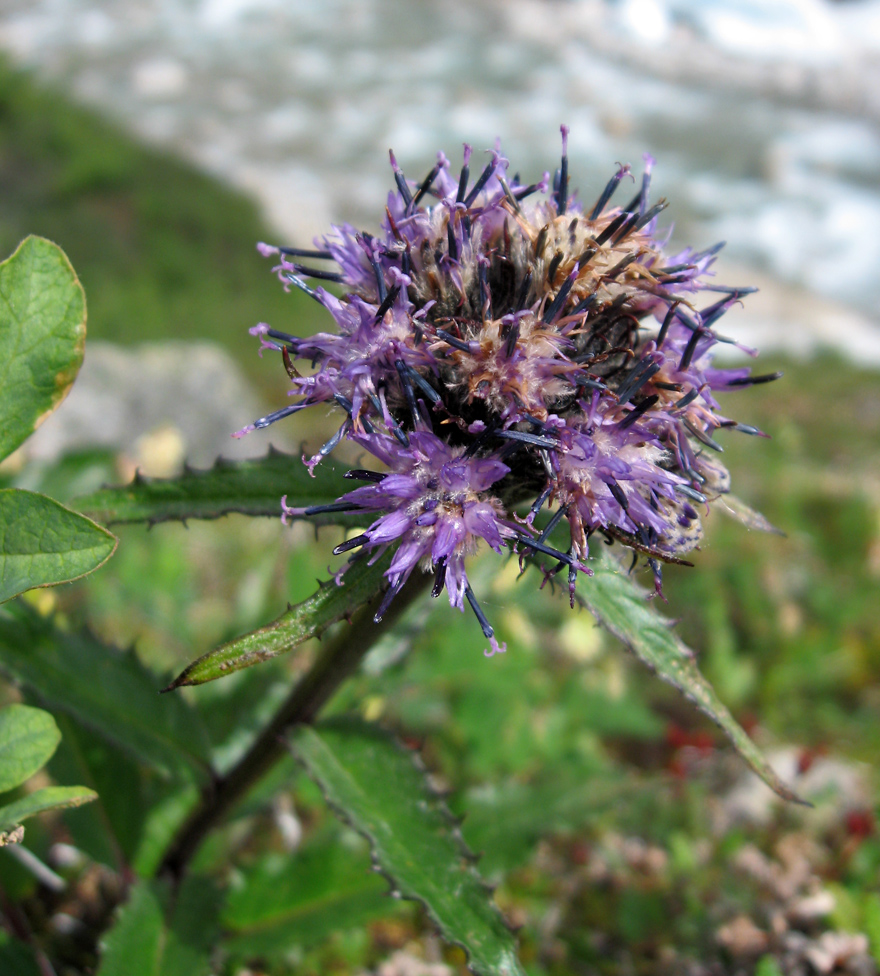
[[624, 837]]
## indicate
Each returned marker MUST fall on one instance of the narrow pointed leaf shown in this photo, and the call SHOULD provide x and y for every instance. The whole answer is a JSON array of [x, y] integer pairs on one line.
[[105, 689], [376, 787], [28, 738], [42, 542], [614, 599], [246, 487], [49, 798], [307, 619], [42, 335]]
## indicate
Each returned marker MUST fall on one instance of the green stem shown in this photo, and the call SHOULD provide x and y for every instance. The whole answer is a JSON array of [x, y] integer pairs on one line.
[[336, 661]]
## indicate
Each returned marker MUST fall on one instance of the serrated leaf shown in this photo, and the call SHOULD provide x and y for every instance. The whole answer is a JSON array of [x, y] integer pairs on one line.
[[307, 619], [375, 786], [615, 600], [143, 943], [42, 542], [301, 899], [28, 738], [42, 335], [106, 690], [246, 487], [48, 798]]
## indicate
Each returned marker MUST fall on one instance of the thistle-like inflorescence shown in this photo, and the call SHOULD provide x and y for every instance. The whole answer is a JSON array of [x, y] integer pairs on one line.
[[501, 348]]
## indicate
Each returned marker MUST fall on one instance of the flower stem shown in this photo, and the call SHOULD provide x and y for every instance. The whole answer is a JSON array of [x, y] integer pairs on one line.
[[336, 661]]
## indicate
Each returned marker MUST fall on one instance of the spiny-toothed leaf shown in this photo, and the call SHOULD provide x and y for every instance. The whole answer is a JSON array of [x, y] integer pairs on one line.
[[300, 899], [615, 600], [42, 335], [28, 738], [43, 543], [246, 487], [108, 690], [307, 619], [150, 940], [49, 798], [376, 787]]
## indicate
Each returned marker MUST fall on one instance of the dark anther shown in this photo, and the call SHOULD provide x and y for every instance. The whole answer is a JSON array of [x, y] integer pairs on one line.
[[481, 182], [636, 379], [439, 578], [703, 437], [361, 474], [511, 199], [558, 516], [462, 183], [426, 184], [748, 429], [277, 415], [400, 180], [619, 495], [621, 265], [450, 339], [387, 302], [686, 400], [317, 273], [390, 594], [518, 435], [583, 305], [511, 340], [690, 348], [554, 266], [640, 409], [538, 503], [555, 307], [292, 278], [626, 230], [547, 550], [336, 438], [423, 385], [612, 228], [485, 298], [607, 193], [755, 380], [303, 252], [524, 288], [403, 373], [649, 215], [284, 337], [691, 493], [485, 626], [562, 186], [526, 191], [667, 321], [350, 544], [451, 242], [332, 507], [344, 402]]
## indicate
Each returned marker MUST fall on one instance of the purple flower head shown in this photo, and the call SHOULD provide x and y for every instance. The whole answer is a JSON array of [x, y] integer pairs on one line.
[[502, 349]]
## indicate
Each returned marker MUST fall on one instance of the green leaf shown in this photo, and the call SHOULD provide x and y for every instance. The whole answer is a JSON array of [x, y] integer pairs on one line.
[[49, 798], [621, 606], [16, 958], [28, 738], [247, 487], [42, 542], [307, 619], [133, 947], [143, 943], [301, 899], [376, 787], [42, 335], [105, 689]]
